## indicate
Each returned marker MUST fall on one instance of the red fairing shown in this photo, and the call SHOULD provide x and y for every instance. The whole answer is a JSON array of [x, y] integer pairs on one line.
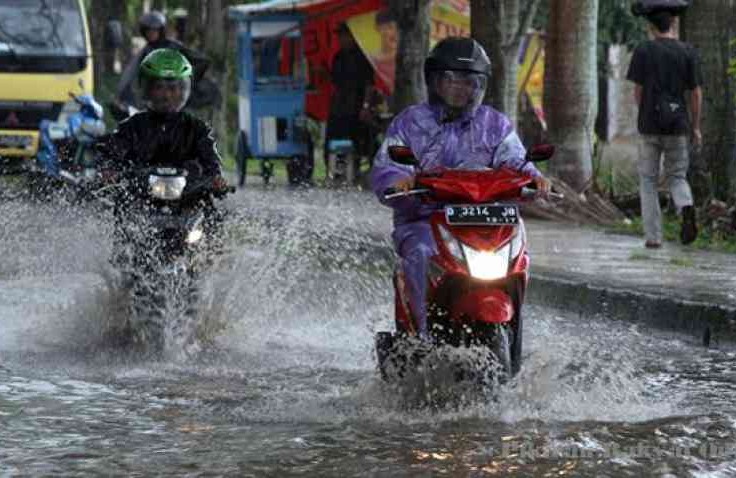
[[491, 306], [474, 186], [481, 238]]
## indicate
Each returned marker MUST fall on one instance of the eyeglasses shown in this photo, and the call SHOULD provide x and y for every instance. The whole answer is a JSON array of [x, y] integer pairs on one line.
[[463, 79], [165, 85]]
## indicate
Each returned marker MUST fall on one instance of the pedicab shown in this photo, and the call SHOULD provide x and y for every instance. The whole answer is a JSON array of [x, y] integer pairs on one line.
[[285, 50], [272, 91]]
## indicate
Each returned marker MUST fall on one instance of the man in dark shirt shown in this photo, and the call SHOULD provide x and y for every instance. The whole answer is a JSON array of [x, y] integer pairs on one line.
[[352, 78], [667, 75]]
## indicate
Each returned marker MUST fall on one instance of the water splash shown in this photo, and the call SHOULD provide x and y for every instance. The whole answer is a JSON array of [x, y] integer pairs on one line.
[[295, 301]]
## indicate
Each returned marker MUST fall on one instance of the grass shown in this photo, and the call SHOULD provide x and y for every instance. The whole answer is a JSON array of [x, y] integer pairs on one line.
[[707, 240], [682, 262], [279, 171]]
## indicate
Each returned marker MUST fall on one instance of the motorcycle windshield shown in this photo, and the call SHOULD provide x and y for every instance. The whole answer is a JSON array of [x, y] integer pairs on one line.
[[474, 186]]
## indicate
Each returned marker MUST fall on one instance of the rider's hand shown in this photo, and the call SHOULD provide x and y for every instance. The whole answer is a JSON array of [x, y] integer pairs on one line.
[[543, 186], [108, 176], [365, 114], [219, 184], [120, 104], [404, 185]]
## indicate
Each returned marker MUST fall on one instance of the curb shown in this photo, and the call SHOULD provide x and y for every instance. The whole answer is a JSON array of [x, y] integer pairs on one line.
[[709, 323]]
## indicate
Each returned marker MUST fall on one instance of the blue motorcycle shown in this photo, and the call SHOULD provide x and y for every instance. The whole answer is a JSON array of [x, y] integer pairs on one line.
[[65, 146]]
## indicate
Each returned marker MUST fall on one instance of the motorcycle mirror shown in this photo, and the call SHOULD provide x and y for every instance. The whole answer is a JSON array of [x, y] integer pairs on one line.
[[540, 152], [403, 155]]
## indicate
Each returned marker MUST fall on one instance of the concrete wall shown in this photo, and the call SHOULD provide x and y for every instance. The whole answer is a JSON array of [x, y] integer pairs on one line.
[[619, 153]]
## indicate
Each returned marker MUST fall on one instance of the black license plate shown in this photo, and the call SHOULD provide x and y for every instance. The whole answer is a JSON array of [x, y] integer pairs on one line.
[[483, 214]]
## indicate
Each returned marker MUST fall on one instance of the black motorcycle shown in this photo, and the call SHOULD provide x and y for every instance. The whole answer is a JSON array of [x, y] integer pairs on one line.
[[166, 235]]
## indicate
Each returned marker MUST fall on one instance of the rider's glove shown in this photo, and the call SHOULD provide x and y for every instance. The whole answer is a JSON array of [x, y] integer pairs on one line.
[[219, 184]]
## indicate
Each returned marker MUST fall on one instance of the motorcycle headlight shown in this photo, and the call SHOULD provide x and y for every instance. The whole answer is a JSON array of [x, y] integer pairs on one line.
[[167, 188], [518, 241], [194, 236], [488, 265], [453, 245]]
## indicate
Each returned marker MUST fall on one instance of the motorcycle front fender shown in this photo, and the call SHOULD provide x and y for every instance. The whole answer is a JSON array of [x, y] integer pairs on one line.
[[490, 306]]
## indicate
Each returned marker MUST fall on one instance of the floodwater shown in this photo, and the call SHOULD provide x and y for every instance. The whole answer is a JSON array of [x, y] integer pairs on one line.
[[286, 385]]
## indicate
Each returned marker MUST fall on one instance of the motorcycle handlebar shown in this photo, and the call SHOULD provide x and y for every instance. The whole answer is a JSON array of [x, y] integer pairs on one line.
[[526, 193], [393, 193]]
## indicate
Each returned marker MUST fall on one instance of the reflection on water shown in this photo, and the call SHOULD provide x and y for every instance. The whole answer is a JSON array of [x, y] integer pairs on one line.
[[289, 387]]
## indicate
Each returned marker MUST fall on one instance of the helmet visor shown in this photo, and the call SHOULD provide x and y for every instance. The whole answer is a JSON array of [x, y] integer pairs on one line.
[[459, 89], [164, 95]]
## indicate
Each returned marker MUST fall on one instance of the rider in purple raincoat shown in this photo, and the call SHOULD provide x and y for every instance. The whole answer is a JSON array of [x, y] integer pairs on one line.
[[451, 130]]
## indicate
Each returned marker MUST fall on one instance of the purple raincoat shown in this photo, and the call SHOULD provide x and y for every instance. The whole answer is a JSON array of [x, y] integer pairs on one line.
[[482, 137]]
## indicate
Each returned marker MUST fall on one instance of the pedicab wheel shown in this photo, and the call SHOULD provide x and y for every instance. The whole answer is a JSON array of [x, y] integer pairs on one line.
[[266, 170], [242, 164], [242, 155], [297, 170]]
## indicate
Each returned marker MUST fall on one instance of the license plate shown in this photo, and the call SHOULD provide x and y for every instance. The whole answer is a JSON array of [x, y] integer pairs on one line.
[[15, 141], [483, 214]]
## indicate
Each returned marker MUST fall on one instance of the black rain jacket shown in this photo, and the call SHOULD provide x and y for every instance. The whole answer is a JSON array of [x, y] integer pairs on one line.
[[151, 139]]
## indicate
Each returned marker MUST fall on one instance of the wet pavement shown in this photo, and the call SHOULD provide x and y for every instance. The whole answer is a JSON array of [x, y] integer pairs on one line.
[[616, 261], [289, 386], [582, 254]]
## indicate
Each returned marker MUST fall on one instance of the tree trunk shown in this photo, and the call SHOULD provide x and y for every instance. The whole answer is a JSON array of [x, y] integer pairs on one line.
[[195, 23], [571, 88], [500, 26], [100, 12], [413, 21], [216, 31], [710, 25], [486, 29], [214, 44]]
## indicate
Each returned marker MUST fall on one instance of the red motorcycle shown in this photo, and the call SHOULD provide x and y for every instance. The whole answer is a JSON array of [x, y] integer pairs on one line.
[[477, 281]]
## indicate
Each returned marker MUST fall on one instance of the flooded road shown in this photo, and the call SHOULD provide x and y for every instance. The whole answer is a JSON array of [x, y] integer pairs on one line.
[[286, 384]]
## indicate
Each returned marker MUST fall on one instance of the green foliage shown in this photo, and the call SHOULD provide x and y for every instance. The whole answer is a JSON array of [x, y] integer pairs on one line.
[[732, 63], [707, 239], [616, 24]]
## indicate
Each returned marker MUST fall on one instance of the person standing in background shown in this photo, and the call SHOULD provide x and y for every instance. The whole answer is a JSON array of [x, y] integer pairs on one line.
[[666, 73]]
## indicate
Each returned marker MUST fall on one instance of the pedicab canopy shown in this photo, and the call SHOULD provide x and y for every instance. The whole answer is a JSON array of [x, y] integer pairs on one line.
[[376, 32], [369, 21]]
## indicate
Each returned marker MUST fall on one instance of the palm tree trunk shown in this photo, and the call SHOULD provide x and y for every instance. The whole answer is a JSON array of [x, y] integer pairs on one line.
[[710, 25], [500, 26], [413, 21], [571, 88]]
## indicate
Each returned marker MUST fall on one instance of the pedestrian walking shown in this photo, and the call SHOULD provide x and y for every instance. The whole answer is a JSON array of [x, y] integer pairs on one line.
[[668, 91]]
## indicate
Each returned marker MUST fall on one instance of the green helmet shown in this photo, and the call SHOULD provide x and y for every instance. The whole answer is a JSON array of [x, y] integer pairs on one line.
[[165, 79]]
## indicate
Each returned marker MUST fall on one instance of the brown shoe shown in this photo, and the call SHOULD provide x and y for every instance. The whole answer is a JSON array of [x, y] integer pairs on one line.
[[689, 231], [652, 244]]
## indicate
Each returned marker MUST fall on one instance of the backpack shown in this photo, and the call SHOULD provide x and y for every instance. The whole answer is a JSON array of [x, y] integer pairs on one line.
[[670, 113]]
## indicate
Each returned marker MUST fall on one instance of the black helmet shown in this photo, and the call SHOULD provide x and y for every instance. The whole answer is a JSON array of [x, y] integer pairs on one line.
[[459, 54], [649, 7], [461, 62], [153, 20]]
